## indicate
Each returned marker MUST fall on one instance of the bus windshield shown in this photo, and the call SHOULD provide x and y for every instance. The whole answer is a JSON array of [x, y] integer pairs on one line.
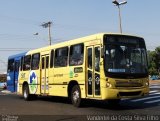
[[125, 55]]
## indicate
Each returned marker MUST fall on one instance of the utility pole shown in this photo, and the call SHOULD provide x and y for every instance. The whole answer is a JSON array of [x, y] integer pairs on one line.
[[48, 25], [115, 2]]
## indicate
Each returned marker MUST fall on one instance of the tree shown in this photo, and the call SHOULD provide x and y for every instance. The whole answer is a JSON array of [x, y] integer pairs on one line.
[[3, 77], [157, 61], [154, 61]]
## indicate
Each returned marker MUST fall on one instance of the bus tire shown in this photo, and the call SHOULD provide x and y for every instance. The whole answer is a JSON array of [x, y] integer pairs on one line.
[[26, 94], [34, 97], [76, 96]]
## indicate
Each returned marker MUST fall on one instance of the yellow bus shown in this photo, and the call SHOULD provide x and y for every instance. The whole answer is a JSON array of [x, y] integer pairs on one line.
[[103, 66]]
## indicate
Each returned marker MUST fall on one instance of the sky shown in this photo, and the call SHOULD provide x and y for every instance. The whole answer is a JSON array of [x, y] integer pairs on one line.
[[71, 19]]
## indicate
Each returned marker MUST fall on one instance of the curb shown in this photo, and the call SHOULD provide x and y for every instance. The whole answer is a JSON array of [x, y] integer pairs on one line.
[[6, 91], [154, 81]]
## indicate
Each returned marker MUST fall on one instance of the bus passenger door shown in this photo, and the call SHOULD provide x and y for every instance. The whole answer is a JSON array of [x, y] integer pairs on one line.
[[16, 73], [44, 74], [93, 71]]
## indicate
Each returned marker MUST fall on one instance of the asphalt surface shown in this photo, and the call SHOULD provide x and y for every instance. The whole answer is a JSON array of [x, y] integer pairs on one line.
[[56, 108]]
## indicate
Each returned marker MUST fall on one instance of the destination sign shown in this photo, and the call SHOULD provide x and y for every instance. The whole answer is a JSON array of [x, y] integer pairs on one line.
[[124, 40]]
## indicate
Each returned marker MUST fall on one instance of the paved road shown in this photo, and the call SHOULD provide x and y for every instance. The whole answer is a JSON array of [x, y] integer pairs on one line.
[[12, 104]]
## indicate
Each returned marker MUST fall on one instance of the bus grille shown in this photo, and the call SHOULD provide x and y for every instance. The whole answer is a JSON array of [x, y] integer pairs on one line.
[[130, 93], [128, 83]]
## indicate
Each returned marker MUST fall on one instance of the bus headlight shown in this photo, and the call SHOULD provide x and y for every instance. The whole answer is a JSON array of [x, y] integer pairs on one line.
[[108, 84], [146, 83]]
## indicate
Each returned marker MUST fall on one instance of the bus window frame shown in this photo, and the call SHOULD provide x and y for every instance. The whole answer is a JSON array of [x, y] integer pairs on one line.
[[47, 62], [61, 57], [24, 63], [11, 67], [21, 63], [37, 66], [80, 61]]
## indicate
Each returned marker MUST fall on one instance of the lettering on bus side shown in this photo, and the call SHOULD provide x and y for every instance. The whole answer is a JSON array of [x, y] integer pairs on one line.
[[23, 75], [58, 75], [78, 70]]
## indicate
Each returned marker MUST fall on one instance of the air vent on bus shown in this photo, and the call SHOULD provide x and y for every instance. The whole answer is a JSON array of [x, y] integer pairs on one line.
[[130, 93]]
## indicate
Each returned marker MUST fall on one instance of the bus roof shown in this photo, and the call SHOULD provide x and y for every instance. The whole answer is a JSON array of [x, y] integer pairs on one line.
[[76, 41]]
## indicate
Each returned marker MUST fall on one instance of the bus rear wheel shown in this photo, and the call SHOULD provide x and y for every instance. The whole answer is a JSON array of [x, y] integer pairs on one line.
[[26, 94], [76, 96]]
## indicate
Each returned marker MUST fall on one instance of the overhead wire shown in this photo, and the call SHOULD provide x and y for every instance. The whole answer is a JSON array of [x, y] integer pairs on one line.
[[19, 20], [27, 21]]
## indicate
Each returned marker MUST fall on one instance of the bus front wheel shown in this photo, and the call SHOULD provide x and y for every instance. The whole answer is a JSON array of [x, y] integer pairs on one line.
[[76, 96]]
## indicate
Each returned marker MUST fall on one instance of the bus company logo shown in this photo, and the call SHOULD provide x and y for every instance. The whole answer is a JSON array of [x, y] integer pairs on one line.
[[71, 73], [33, 80]]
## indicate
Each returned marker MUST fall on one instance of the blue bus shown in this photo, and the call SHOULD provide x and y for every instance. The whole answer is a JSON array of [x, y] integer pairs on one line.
[[13, 71]]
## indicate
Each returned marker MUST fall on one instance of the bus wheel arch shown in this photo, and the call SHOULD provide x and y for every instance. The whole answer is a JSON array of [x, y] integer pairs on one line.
[[74, 93], [71, 84]]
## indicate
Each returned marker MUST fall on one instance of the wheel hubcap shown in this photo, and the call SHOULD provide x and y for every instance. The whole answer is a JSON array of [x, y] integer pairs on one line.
[[25, 94], [75, 96]]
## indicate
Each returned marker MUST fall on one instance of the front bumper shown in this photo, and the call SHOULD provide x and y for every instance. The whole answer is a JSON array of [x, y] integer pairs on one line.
[[111, 93]]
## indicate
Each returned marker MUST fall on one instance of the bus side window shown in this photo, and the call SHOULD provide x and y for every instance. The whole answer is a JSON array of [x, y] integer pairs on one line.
[[21, 66], [76, 55], [52, 59], [17, 65], [47, 61], [35, 61], [43, 66], [10, 65], [61, 57], [27, 63]]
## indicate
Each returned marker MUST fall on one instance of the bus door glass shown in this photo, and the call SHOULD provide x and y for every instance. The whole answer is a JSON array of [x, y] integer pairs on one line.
[[93, 71], [17, 65], [10, 75], [44, 74]]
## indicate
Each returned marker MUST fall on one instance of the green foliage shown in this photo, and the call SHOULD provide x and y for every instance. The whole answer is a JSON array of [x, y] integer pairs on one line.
[[3, 77], [154, 61], [153, 71]]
